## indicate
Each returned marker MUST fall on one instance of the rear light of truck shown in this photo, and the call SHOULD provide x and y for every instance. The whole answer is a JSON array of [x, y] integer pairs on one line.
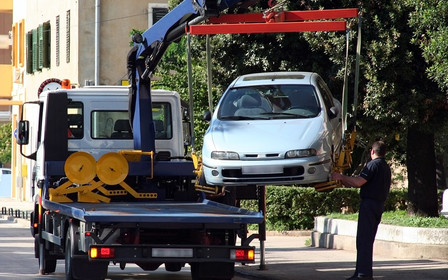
[[242, 254], [101, 253]]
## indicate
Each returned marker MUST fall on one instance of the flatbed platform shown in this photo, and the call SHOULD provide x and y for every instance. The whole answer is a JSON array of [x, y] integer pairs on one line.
[[203, 212]]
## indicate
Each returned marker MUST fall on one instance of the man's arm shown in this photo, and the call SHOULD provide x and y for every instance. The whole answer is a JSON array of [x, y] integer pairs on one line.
[[349, 181]]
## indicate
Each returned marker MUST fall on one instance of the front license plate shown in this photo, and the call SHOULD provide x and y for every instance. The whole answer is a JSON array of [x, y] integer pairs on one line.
[[251, 170]]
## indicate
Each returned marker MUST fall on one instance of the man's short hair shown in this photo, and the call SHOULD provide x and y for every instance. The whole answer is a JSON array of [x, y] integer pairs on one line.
[[379, 147]]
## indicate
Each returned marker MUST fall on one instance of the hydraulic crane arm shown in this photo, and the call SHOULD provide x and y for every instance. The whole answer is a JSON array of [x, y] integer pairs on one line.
[[147, 52]]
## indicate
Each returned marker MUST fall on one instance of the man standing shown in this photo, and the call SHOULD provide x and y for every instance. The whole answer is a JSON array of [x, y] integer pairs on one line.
[[374, 182]]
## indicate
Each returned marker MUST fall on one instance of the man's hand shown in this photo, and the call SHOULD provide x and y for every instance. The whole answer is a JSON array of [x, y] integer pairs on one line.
[[336, 176], [349, 181]]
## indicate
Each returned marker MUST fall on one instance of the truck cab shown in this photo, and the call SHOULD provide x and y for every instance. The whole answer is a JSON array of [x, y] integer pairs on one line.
[[89, 123]]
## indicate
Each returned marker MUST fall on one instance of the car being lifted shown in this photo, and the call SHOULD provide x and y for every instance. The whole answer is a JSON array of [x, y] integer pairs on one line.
[[278, 128]]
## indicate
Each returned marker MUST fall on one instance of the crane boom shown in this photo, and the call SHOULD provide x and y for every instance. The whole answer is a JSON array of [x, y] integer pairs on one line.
[[149, 48]]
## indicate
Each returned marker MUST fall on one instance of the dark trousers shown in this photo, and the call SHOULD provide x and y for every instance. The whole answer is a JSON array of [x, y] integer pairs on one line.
[[370, 212]]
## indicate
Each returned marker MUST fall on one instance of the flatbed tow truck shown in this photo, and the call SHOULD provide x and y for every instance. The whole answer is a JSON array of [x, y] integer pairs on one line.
[[114, 182]]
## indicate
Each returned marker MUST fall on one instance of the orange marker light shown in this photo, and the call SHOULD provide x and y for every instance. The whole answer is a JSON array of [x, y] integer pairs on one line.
[[251, 255], [94, 253], [66, 84]]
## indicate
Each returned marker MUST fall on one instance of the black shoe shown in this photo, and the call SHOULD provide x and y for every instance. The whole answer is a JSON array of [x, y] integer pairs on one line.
[[360, 277]]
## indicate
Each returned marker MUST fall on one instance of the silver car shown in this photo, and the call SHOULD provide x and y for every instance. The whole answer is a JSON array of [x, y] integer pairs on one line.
[[276, 128]]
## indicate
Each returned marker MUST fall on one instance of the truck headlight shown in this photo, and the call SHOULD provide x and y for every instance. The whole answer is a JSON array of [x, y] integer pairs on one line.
[[300, 153], [225, 155]]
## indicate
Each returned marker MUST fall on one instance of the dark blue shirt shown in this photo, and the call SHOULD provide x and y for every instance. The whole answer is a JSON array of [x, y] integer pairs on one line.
[[378, 176]]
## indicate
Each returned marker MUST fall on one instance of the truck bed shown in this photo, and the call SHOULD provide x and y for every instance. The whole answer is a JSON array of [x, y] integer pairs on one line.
[[203, 212]]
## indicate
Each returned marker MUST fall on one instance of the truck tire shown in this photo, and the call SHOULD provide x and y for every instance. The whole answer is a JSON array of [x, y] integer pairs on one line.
[[212, 271], [77, 265], [47, 263]]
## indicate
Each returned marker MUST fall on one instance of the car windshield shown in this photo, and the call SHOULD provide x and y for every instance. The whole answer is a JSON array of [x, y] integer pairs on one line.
[[270, 102]]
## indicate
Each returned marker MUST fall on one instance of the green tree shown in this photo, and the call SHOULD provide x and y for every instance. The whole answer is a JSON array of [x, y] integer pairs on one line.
[[397, 95], [430, 22], [172, 74], [5, 143]]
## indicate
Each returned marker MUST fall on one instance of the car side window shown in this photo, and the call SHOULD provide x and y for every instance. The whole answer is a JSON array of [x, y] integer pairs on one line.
[[326, 95]]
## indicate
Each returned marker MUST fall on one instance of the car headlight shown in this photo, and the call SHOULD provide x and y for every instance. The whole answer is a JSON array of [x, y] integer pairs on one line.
[[225, 155], [300, 153]]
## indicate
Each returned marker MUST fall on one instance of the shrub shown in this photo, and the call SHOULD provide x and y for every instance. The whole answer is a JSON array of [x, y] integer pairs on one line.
[[294, 208]]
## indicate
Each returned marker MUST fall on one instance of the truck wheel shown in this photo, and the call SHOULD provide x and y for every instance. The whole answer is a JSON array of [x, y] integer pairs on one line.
[[212, 271], [47, 263], [78, 266]]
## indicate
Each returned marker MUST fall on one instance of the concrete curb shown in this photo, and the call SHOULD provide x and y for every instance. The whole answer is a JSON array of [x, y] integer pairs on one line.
[[393, 241]]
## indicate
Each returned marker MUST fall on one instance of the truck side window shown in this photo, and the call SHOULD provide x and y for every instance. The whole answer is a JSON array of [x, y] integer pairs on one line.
[[75, 120], [161, 113]]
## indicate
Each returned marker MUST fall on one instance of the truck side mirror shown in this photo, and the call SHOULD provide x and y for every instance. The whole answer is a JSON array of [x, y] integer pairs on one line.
[[207, 116], [23, 132]]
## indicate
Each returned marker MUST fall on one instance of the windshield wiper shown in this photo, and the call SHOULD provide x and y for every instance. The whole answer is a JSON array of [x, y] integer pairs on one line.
[[241, 118], [286, 114]]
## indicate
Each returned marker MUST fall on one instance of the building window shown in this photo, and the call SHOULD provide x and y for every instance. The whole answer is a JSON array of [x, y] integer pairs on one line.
[[57, 41], [156, 12], [67, 46]]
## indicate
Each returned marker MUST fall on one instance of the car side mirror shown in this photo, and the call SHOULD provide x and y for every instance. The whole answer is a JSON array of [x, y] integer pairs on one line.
[[333, 112], [23, 132], [207, 116]]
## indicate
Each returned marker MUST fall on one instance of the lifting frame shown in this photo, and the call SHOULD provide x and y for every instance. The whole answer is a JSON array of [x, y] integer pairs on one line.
[[275, 22]]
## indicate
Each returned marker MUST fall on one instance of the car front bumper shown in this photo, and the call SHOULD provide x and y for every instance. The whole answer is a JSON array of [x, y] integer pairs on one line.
[[272, 172]]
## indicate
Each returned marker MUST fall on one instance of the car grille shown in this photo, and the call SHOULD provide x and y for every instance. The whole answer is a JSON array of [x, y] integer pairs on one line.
[[261, 156], [289, 173]]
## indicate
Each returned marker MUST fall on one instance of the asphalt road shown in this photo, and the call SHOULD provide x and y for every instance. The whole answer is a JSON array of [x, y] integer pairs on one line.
[[18, 262], [287, 258]]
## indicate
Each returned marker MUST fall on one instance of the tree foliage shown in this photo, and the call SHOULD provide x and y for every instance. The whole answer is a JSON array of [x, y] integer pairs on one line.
[[172, 74], [403, 81], [430, 22]]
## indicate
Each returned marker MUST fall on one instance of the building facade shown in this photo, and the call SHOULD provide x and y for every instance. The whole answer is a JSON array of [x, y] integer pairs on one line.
[[85, 41]]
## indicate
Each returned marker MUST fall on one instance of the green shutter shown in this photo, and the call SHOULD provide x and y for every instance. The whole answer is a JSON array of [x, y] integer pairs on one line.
[[40, 34], [46, 45], [29, 52], [35, 50]]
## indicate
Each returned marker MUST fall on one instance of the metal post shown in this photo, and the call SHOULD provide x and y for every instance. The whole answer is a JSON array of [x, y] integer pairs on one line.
[[190, 89], [358, 58], [345, 86], [97, 41], [262, 226], [209, 74]]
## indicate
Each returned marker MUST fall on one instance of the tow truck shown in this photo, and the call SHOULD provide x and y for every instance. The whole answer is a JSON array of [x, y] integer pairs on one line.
[[114, 184]]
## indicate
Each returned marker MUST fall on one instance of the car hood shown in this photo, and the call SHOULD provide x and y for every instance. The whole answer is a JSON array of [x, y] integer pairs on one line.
[[267, 135]]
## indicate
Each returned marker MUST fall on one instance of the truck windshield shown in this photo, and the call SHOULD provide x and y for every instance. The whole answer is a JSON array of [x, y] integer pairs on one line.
[[115, 124], [270, 102]]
